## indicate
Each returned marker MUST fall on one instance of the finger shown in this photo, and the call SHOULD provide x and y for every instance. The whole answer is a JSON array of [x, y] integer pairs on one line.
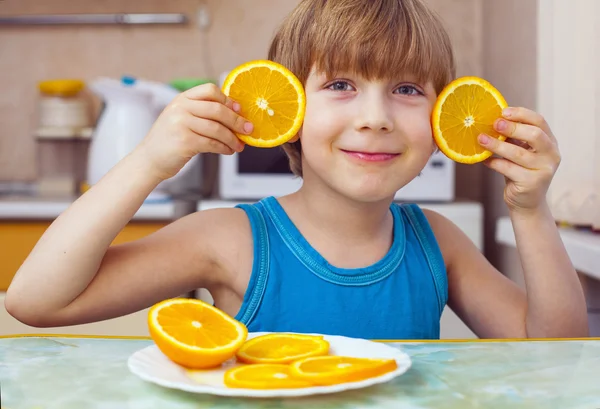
[[526, 116], [222, 114], [534, 136], [217, 131], [507, 150], [211, 92], [214, 146], [517, 142], [506, 168], [209, 145]]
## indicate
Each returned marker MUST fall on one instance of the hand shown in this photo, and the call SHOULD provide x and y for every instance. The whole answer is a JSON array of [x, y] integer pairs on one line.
[[528, 159], [199, 120]]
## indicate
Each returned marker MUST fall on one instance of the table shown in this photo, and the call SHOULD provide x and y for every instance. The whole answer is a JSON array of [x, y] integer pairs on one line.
[[74, 372]]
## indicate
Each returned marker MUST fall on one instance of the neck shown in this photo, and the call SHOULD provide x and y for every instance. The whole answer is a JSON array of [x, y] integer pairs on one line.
[[344, 219]]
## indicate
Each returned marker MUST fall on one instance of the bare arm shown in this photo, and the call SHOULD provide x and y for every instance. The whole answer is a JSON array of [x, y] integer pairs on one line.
[[72, 276], [528, 160], [495, 307], [489, 303], [70, 252], [556, 303]]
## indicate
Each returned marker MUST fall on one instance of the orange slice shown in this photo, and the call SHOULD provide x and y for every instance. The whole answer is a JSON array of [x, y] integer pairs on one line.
[[465, 108], [281, 348], [193, 333], [263, 376], [330, 370], [271, 97]]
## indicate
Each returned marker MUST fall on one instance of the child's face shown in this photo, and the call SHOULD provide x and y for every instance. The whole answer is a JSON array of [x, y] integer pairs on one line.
[[366, 139]]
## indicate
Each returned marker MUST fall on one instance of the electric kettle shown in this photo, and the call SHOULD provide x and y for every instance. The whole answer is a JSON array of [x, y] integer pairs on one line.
[[130, 107]]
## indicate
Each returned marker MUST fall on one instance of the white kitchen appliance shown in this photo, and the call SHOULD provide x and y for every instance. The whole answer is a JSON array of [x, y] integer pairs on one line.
[[130, 108]]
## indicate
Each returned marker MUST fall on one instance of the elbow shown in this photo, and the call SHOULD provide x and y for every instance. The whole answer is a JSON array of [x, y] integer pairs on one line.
[[575, 329], [570, 333], [11, 306], [18, 311], [580, 330]]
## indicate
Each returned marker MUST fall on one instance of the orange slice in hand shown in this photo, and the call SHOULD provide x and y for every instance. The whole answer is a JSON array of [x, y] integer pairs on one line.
[[466, 108], [281, 348], [330, 370], [193, 333], [263, 376], [271, 97]]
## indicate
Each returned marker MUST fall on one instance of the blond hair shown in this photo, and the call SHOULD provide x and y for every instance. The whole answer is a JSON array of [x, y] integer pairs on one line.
[[377, 39]]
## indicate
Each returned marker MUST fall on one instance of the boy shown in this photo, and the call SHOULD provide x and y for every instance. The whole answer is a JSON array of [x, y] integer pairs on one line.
[[336, 257]]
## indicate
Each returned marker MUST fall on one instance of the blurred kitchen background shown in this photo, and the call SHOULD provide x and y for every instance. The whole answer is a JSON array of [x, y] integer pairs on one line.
[[77, 74]]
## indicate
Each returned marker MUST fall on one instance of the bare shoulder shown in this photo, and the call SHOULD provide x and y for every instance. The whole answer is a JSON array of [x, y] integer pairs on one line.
[[221, 221], [450, 238], [486, 300], [200, 250], [221, 236], [231, 238]]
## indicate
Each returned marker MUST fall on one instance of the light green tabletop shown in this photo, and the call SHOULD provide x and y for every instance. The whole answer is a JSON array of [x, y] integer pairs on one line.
[[81, 372]]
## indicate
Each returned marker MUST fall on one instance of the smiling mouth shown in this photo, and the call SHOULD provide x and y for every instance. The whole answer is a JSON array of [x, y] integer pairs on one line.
[[371, 156]]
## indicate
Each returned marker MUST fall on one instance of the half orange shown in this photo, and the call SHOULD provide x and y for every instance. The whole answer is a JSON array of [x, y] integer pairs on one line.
[[193, 333], [271, 97], [466, 108]]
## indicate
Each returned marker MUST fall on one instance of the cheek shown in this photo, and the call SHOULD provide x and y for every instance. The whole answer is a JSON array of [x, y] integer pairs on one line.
[[313, 136], [417, 127], [320, 124]]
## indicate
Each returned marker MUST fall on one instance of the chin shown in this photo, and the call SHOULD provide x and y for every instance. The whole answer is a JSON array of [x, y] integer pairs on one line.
[[374, 184], [370, 192]]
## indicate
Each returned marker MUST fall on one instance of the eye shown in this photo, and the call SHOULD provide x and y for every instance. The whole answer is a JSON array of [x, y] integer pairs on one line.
[[408, 90], [340, 86]]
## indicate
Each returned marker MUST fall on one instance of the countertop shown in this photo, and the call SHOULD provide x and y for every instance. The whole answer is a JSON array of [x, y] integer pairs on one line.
[[48, 208], [583, 246], [77, 372]]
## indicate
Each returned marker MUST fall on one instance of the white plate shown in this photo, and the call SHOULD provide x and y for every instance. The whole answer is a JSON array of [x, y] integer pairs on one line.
[[152, 365]]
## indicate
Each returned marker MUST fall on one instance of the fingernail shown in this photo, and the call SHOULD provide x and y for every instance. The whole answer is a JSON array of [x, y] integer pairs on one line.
[[236, 107], [248, 127], [501, 125], [506, 112], [484, 139]]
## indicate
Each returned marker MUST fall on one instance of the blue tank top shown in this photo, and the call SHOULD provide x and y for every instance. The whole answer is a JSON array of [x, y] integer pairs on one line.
[[292, 288]]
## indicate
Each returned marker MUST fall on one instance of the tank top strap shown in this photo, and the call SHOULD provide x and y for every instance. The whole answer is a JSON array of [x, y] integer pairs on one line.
[[260, 264], [433, 254], [295, 244]]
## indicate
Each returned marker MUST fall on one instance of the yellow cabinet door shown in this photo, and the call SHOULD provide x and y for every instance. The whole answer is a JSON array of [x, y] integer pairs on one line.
[[18, 238]]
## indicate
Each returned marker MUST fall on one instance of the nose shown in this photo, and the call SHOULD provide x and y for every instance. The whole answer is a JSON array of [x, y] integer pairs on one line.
[[374, 113]]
